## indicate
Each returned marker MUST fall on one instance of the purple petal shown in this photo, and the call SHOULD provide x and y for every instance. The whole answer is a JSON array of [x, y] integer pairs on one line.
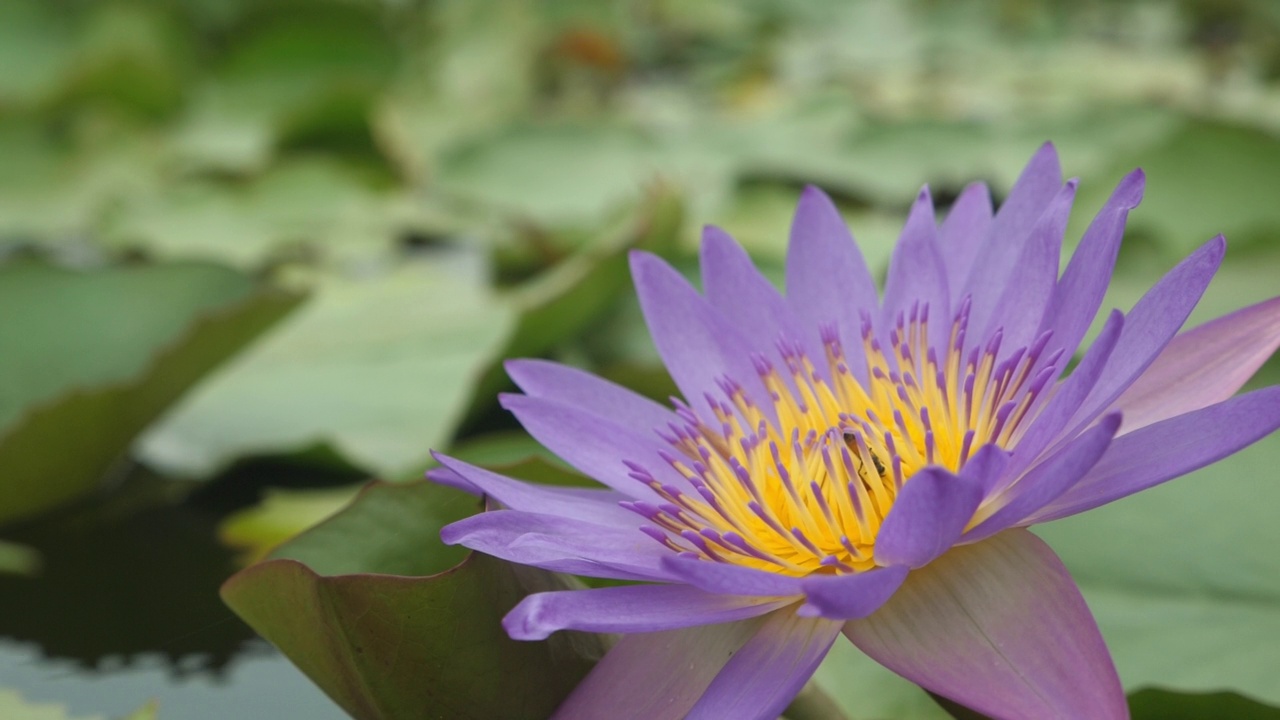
[[1169, 448], [927, 518], [767, 673], [1084, 283], [698, 345], [827, 278], [995, 264], [856, 595], [628, 609], [1202, 366], [729, 579], [587, 504], [916, 274], [986, 467], [540, 378], [656, 676], [1149, 327], [1022, 304], [1045, 482], [595, 445], [561, 544], [963, 232], [735, 287], [1000, 627], [1068, 396]]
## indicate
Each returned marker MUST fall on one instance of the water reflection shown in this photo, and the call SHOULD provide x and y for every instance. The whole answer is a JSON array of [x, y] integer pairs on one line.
[[126, 608]]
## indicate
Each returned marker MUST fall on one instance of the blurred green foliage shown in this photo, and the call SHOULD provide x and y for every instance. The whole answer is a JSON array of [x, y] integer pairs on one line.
[[436, 186]]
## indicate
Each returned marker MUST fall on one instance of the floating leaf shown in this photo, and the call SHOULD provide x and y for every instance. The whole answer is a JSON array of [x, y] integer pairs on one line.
[[75, 373], [393, 624], [282, 514], [379, 367]]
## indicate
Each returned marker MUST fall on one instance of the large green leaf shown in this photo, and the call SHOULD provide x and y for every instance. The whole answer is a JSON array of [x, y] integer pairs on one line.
[[392, 624], [93, 358], [380, 367]]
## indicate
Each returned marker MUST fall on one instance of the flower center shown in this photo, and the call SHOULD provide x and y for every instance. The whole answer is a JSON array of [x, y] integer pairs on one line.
[[803, 486]]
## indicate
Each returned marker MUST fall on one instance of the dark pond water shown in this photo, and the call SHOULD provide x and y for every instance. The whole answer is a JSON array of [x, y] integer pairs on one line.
[[126, 609]]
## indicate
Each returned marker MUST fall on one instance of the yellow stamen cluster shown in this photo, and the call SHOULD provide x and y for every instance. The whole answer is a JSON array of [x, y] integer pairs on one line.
[[803, 485]]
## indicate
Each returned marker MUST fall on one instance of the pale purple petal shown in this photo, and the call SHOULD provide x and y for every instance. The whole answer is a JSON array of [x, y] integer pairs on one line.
[[827, 279], [1068, 396], [656, 676], [1022, 305], [698, 345], [962, 233], [729, 579], [1045, 482], [628, 609], [735, 287], [994, 266], [987, 467], [767, 673], [1170, 448], [1150, 326], [587, 504], [540, 378], [1203, 366], [1084, 283], [1000, 627], [916, 275], [856, 595], [926, 519], [561, 544], [595, 445]]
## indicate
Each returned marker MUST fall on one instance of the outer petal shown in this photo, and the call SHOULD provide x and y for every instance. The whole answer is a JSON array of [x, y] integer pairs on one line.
[[598, 446], [844, 597], [1203, 366], [1023, 303], [999, 627], [628, 609], [725, 578], [767, 673], [560, 544], [1084, 283], [1045, 482], [1068, 396], [994, 266], [656, 676], [698, 345], [927, 518], [916, 273], [587, 504], [962, 233], [827, 278], [1164, 450], [736, 288], [1150, 325], [540, 378]]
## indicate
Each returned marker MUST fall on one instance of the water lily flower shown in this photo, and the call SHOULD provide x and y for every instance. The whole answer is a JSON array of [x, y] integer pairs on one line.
[[844, 462]]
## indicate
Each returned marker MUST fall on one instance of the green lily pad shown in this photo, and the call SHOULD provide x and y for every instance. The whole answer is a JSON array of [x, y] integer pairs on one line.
[[282, 514], [391, 624], [96, 357], [379, 367]]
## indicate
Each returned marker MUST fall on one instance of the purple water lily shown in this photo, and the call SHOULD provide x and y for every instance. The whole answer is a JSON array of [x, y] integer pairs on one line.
[[848, 463]]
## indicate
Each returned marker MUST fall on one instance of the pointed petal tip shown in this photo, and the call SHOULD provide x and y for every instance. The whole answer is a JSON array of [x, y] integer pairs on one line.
[[524, 623]]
